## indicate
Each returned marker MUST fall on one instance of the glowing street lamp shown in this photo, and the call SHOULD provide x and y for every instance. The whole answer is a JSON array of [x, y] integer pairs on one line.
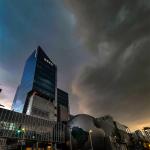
[[90, 132], [18, 131], [23, 129]]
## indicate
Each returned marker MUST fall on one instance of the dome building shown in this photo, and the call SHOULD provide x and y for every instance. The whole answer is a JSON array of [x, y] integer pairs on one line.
[[88, 133], [84, 135]]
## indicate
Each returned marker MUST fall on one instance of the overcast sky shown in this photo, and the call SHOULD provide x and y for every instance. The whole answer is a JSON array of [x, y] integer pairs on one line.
[[101, 48]]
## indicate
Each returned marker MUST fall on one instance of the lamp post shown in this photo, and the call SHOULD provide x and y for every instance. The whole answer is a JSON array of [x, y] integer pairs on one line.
[[70, 130], [90, 131]]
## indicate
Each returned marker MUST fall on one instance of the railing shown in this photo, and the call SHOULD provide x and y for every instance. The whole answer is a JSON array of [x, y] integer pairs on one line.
[[21, 126]]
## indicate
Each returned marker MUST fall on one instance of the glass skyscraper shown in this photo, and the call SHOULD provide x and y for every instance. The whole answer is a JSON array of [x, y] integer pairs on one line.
[[40, 77]]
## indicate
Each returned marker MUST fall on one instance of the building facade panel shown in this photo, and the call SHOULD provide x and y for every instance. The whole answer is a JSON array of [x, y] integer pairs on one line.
[[26, 83], [62, 105]]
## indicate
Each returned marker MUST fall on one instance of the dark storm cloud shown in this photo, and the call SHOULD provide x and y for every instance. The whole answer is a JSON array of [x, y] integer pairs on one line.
[[117, 82], [25, 25]]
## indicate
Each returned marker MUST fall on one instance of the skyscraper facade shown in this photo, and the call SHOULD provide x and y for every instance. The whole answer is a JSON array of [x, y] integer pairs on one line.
[[38, 85]]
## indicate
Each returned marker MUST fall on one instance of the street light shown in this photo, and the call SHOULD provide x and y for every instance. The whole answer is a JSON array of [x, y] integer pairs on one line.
[[23, 129], [70, 130], [90, 132]]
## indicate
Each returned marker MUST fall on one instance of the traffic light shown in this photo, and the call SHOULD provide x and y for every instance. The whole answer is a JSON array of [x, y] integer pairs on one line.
[[0, 90]]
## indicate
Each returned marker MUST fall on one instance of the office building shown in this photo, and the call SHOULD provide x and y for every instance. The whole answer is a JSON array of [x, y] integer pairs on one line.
[[37, 93], [62, 105]]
